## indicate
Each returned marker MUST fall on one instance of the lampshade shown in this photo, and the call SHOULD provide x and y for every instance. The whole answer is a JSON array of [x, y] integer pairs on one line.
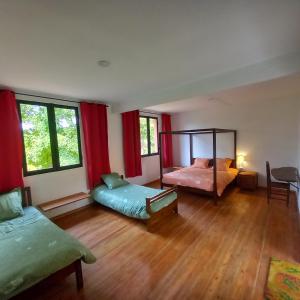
[[240, 161]]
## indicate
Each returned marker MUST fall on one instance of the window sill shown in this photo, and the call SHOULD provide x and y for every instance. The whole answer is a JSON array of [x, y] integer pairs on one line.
[[46, 171], [147, 155]]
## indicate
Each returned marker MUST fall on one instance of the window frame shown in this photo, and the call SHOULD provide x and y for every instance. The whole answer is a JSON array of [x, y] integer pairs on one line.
[[148, 136], [53, 138]]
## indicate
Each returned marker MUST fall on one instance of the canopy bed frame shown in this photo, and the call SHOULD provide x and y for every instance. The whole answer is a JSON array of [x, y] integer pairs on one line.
[[212, 131]]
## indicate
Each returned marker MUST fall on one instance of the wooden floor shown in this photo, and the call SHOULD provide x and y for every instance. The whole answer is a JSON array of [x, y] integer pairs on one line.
[[207, 252]]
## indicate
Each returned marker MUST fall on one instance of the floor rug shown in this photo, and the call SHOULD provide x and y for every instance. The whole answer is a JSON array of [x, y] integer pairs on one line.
[[283, 282]]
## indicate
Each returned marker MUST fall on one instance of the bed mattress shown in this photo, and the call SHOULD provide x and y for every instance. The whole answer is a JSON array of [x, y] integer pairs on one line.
[[130, 199], [200, 178], [31, 249]]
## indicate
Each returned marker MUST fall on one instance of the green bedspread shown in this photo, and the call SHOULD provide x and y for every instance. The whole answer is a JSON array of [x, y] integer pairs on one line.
[[31, 249], [130, 199]]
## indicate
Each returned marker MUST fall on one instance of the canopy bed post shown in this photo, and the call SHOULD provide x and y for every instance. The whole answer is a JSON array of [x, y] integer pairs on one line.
[[160, 151], [215, 191], [235, 151], [191, 148]]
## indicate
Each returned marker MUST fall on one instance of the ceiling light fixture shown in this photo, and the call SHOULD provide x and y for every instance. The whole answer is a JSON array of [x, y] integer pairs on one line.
[[104, 63]]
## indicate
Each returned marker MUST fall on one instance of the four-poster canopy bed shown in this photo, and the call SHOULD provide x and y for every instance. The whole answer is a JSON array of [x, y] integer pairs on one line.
[[215, 190]]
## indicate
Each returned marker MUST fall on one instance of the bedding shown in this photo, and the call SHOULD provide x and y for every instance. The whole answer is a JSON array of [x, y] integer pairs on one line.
[[223, 164], [130, 199], [200, 178], [11, 205], [228, 162], [201, 163], [31, 249], [113, 180]]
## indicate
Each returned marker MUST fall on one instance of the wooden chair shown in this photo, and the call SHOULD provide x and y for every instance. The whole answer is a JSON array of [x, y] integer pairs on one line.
[[281, 189]]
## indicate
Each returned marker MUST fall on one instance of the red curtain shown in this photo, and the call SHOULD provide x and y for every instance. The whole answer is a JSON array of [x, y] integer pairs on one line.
[[132, 143], [94, 124], [11, 152], [167, 144]]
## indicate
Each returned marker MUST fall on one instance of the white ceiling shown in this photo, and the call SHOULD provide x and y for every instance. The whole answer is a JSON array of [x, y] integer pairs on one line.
[[53, 46], [282, 88]]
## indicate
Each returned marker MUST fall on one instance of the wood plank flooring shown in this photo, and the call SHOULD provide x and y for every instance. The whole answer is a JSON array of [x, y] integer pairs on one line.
[[207, 252]]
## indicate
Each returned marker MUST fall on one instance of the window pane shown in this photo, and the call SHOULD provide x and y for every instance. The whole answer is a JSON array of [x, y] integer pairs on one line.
[[36, 137], [143, 130], [153, 135], [67, 137]]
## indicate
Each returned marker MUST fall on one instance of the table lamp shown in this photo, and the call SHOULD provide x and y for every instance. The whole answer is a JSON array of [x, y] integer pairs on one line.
[[241, 161]]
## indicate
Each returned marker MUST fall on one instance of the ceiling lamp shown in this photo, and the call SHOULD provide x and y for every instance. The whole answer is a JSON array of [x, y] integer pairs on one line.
[[103, 63]]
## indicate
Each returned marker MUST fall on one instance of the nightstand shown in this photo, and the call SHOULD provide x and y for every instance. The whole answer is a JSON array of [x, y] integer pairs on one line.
[[247, 180]]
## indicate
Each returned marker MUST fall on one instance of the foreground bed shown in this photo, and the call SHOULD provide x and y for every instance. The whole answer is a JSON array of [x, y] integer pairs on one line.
[[140, 202], [32, 249]]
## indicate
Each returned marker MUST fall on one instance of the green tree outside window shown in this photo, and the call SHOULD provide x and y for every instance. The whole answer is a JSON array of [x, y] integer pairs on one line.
[[51, 137], [148, 133]]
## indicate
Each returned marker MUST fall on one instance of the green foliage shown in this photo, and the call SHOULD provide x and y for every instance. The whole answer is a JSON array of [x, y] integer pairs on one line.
[[37, 136], [143, 131], [153, 135], [66, 129], [144, 135]]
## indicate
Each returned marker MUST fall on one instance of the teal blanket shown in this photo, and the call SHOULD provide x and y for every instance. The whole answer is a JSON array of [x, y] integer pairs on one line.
[[31, 249], [130, 199]]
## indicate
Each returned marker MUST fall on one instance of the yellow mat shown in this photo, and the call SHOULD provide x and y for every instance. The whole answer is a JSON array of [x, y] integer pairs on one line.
[[283, 281]]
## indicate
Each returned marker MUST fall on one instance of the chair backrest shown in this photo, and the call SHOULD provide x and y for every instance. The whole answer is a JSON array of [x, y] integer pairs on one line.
[[268, 174]]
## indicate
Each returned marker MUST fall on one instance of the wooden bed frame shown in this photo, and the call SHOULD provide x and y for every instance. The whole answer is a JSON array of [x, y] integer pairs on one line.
[[158, 216], [74, 267], [191, 133]]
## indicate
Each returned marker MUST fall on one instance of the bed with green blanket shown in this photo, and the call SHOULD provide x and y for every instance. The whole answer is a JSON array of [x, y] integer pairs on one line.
[[137, 201], [33, 248]]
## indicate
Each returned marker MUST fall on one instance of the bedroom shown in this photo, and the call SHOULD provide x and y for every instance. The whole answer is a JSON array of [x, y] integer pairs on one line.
[[206, 65]]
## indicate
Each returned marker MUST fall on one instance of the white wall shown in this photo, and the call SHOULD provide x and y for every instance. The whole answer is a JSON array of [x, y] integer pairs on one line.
[[267, 130], [50, 186]]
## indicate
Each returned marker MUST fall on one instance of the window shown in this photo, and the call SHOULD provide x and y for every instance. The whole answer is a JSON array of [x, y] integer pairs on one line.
[[51, 137], [149, 133]]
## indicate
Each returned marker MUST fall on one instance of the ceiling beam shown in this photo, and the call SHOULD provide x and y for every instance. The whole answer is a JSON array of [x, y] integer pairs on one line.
[[262, 71]]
